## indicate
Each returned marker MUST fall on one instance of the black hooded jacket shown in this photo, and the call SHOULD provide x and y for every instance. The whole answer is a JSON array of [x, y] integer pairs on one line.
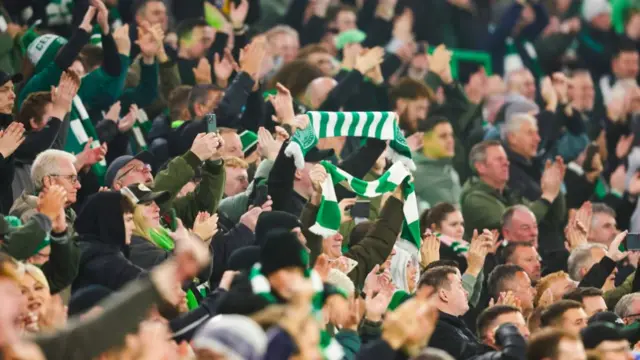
[[101, 238]]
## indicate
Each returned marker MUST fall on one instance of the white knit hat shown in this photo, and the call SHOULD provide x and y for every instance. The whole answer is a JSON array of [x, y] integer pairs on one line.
[[593, 8]]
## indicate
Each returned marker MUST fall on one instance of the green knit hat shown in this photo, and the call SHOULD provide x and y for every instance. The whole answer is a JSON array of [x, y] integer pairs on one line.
[[43, 50], [397, 299], [248, 139], [349, 37]]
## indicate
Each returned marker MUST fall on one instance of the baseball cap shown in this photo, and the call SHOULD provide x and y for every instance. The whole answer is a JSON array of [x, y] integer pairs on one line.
[[141, 194], [122, 161], [5, 77]]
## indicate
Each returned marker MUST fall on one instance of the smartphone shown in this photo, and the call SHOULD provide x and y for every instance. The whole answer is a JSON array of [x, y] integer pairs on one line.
[[361, 209], [212, 123], [260, 195], [592, 150], [633, 242]]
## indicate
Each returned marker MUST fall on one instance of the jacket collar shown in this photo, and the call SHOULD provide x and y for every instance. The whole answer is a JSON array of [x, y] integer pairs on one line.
[[420, 159]]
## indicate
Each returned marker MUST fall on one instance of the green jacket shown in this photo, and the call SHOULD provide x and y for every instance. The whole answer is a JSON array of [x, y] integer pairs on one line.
[[482, 206], [23, 242], [10, 51], [372, 250], [465, 118], [438, 181], [64, 260], [612, 297], [233, 207], [350, 342], [207, 194]]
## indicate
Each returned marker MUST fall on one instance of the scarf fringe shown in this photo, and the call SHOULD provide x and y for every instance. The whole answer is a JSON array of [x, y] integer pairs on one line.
[[293, 149]]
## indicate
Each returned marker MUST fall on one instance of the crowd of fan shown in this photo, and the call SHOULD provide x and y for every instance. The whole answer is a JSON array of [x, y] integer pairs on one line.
[[152, 205]]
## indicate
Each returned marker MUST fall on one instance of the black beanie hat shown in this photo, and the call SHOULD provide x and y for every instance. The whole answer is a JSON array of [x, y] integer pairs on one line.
[[86, 298], [282, 249], [243, 258], [272, 220], [596, 333]]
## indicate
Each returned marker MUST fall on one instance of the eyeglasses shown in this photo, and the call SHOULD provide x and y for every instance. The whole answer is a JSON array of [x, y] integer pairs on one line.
[[73, 179], [139, 168]]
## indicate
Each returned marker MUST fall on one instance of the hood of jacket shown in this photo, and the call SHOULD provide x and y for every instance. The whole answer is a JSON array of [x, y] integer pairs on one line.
[[399, 263], [101, 219]]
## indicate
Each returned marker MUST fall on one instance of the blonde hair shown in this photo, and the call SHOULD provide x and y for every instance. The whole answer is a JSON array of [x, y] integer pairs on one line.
[[235, 162], [545, 283], [140, 223], [35, 273]]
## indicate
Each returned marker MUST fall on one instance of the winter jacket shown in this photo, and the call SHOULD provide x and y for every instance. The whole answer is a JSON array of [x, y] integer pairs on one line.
[[482, 206], [372, 250], [230, 237], [281, 177], [512, 344], [101, 237], [207, 194], [438, 181], [453, 336], [233, 207], [524, 175], [143, 253], [63, 263]]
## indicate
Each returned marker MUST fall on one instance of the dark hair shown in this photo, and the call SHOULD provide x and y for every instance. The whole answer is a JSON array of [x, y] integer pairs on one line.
[[498, 277], [436, 215], [33, 107], [553, 313], [507, 252], [126, 205], [431, 122], [332, 12], [92, 56], [437, 277], [578, 294], [442, 262], [408, 88], [624, 45], [544, 344], [489, 315], [139, 5], [178, 100], [185, 28], [198, 95], [296, 76]]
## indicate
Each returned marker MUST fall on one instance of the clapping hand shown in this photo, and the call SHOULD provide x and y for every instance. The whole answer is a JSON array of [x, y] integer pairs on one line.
[[11, 138], [205, 226]]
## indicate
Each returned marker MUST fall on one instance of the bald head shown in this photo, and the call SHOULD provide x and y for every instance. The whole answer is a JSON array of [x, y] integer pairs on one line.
[[519, 225], [521, 82], [318, 90]]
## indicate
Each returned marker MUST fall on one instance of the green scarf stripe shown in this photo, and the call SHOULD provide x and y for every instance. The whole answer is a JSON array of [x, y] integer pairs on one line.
[[328, 218], [377, 125], [330, 348]]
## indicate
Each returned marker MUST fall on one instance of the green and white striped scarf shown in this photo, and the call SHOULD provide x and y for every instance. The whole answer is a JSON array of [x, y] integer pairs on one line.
[[331, 349], [329, 216], [376, 125]]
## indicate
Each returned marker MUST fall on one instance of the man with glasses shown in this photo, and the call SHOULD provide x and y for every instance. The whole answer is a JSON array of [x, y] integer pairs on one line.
[[54, 171], [127, 170], [628, 308]]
